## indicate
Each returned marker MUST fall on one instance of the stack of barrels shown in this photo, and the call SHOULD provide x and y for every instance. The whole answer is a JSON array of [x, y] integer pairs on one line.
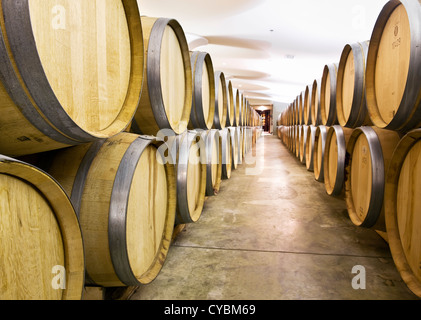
[[112, 133], [362, 122]]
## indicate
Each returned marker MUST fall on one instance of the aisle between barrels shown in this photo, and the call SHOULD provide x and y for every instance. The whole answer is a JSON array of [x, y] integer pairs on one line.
[[272, 233]]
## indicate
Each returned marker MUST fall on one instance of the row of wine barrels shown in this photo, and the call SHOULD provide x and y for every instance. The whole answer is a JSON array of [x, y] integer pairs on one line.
[[40, 236], [153, 82], [103, 212], [379, 173], [53, 97], [376, 82]]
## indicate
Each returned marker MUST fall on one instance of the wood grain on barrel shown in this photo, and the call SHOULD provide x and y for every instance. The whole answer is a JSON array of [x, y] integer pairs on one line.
[[31, 243], [88, 62], [408, 205]]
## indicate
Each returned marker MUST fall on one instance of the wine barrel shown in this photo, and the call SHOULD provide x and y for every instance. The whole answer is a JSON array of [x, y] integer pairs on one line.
[[370, 150], [297, 140], [300, 102], [303, 143], [203, 102], [167, 92], [393, 78], [318, 152], [189, 152], [238, 105], [315, 112], [351, 103], [231, 105], [310, 141], [307, 105], [226, 153], [235, 147], [221, 101], [334, 159], [213, 146], [401, 205], [123, 190], [58, 91], [328, 113], [40, 236]]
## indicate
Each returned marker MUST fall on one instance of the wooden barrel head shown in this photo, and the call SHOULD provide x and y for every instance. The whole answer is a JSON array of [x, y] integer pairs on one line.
[[361, 177], [41, 237], [392, 64], [173, 80], [85, 52], [328, 95], [331, 158], [31, 241], [402, 212], [195, 182], [73, 72], [393, 80], [350, 90], [348, 85], [146, 213], [311, 134], [221, 101], [408, 208]]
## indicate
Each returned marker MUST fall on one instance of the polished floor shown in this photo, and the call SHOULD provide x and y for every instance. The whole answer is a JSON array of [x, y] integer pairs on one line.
[[272, 233]]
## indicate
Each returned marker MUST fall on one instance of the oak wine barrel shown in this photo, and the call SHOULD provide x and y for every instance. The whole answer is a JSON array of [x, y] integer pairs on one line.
[[297, 140], [57, 87], [335, 159], [310, 141], [303, 143], [203, 101], [315, 112], [231, 105], [370, 150], [307, 105], [402, 209], [123, 190], [189, 153], [39, 232], [167, 92], [318, 152], [238, 105], [351, 103], [235, 147], [226, 153], [213, 145], [221, 101], [328, 95], [393, 64]]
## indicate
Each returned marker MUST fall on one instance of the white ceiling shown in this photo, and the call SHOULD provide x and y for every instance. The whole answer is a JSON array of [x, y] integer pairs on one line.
[[270, 49]]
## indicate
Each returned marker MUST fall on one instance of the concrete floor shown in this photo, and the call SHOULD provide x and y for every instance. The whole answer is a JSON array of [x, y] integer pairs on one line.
[[275, 235]]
